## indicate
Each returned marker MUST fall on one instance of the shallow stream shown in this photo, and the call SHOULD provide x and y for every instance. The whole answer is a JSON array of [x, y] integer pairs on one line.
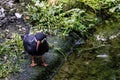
[[98, 58]]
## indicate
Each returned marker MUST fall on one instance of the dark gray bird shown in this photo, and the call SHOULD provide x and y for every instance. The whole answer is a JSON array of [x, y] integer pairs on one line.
[[35, 45]]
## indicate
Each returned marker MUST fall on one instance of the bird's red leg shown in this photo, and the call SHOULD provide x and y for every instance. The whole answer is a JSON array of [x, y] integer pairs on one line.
[[43, 63], [33, 62]]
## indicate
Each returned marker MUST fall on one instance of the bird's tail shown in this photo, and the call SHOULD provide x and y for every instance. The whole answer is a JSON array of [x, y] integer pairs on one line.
[[27, 30]]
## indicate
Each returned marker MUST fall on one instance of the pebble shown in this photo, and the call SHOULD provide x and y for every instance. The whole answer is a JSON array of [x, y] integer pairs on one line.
[[2, 10], [6, 78], [19, 26], [23, 28], [18, 15], [27, 17], [20, 29], [5, 58], [55, 42], [7, 31], [2, 14], [10, 3]]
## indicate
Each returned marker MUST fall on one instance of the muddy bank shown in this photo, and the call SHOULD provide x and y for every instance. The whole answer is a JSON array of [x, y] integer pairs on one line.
[[12, 18]]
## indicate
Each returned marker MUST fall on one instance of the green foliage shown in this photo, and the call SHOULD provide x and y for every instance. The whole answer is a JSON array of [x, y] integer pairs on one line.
[[53, 19], [98, 4], [10, 52], [108, 7], [43, 16], [57, 19]]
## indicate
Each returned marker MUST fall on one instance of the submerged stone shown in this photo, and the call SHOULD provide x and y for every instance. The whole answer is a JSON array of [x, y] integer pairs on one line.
[[100, 37], [103, 56]]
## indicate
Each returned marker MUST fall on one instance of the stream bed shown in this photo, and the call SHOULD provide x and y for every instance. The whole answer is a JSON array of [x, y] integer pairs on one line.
[[98, 58]]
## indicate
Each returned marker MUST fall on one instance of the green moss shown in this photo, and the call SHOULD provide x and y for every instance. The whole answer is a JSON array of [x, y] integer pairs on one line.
[[10, 52]]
